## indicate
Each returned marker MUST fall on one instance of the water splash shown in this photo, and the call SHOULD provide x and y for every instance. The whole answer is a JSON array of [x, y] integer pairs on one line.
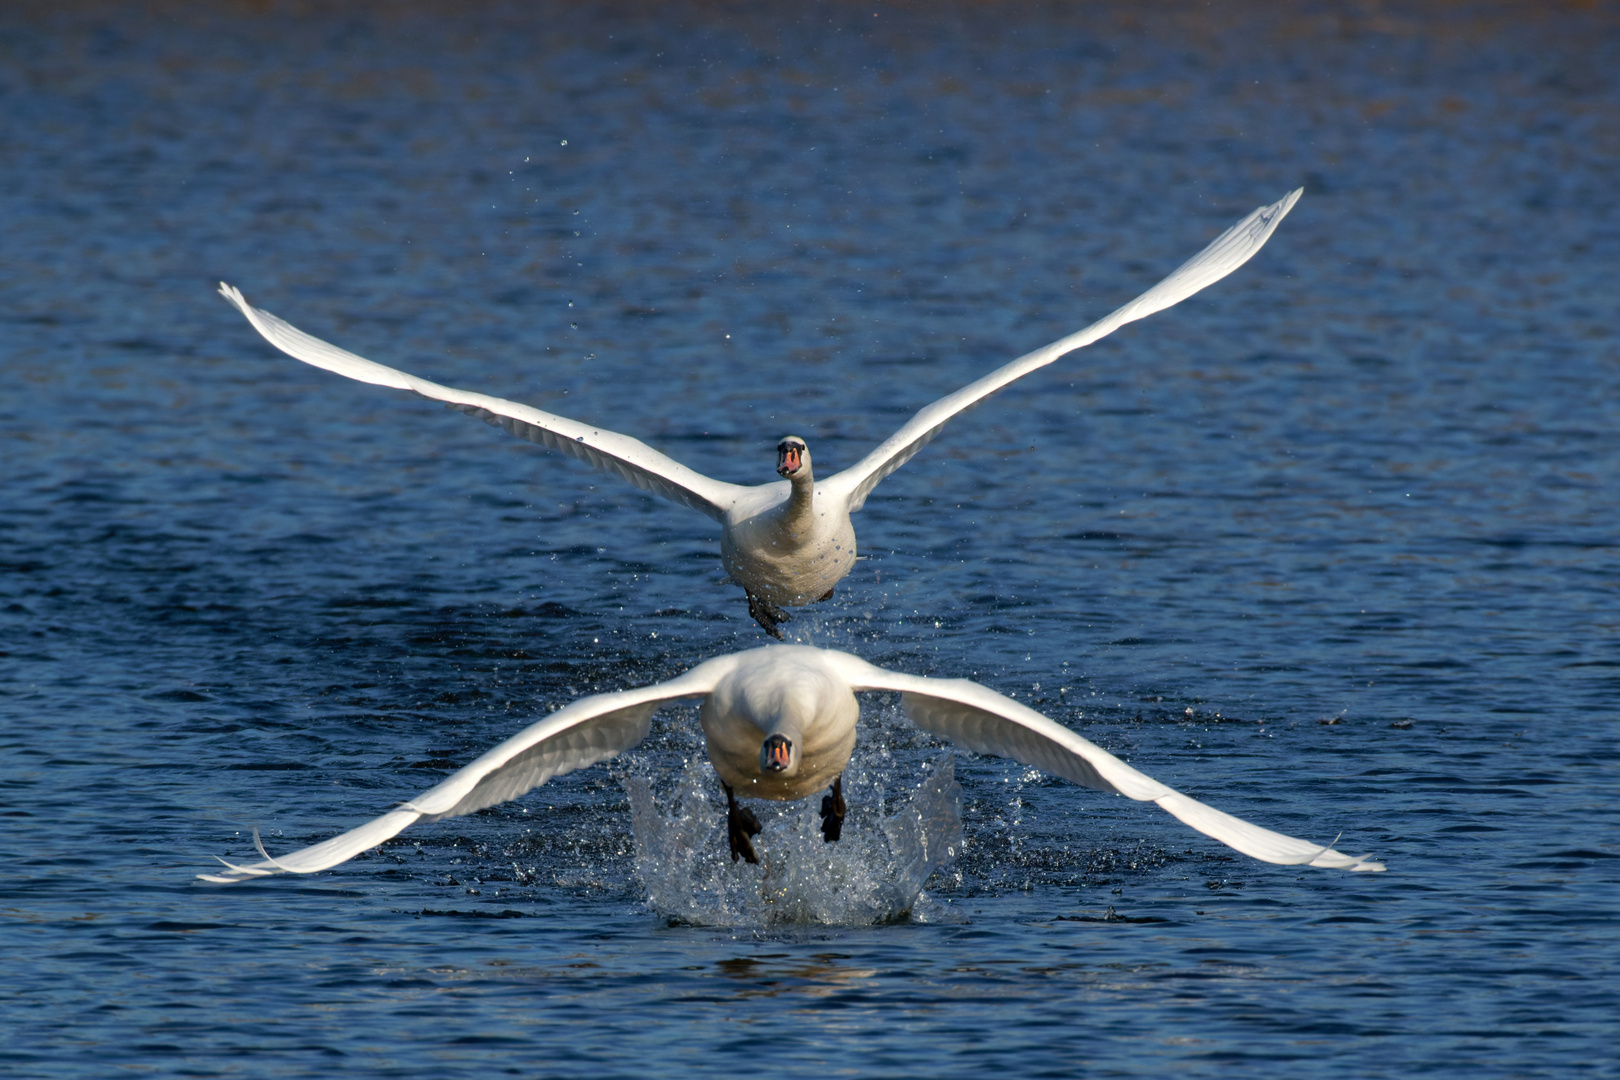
[[874, 874]]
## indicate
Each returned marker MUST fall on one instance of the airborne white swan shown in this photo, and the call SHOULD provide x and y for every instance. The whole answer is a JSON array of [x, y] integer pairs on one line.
[[786, 543], [779, 723]]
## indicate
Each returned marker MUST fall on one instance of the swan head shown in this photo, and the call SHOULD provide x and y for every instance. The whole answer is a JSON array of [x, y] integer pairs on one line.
[[778, 755], [792, 458]]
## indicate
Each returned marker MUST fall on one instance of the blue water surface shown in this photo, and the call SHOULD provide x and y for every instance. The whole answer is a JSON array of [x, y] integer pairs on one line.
[[1330, 546]]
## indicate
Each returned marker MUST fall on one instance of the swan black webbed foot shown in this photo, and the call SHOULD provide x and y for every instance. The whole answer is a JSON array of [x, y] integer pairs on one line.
[[740, 825], [832, 812], [767, 614], [824, 597]]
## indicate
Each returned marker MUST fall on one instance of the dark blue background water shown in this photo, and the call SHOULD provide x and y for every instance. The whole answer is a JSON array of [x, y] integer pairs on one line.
[[1353, 507]]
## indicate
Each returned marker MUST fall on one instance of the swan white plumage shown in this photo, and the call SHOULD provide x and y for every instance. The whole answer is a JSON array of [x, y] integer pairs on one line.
[[779, 723], [786, 543]]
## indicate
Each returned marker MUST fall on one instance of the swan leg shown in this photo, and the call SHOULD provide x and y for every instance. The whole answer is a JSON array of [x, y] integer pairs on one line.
[[767, 614], [826, 595], [832, 811], [740, 825]]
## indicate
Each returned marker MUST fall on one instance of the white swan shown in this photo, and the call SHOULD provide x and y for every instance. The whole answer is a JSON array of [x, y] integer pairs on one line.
[[788, 543], [779, 723]]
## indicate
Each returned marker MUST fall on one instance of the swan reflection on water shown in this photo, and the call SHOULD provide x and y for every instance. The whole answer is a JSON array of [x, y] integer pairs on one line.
[[789, 542], [764, 976]]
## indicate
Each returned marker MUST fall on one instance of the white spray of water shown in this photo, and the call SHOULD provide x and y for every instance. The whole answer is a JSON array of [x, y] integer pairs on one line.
[[874, 874]]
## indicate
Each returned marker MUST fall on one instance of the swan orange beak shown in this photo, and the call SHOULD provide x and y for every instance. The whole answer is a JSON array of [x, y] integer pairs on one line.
[[789, 458], [776, 755]]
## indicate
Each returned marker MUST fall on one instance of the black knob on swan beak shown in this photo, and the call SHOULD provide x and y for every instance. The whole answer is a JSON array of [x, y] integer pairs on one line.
[[776, 755]]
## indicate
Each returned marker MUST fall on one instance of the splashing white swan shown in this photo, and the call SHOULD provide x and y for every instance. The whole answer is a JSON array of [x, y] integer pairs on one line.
[[786, 544], [779, 723]]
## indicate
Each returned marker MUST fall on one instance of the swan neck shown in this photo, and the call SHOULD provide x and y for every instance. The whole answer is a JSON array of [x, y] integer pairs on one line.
[[802, 500]]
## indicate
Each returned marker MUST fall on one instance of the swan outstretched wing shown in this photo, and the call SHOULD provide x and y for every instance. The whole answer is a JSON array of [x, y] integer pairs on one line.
[[981, 720], [1226, 253], [583, 733], [630, 459]]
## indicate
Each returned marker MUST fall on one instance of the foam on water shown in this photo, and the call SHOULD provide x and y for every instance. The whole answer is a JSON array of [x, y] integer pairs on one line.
[[873, 874]]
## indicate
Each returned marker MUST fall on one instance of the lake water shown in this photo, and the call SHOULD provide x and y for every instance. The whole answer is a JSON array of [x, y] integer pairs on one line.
[[1330, 546]]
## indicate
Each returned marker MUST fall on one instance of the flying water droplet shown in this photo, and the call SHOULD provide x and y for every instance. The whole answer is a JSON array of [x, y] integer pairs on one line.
[[874, 874]]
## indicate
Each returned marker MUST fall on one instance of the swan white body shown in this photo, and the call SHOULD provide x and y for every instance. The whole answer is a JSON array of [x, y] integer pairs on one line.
[[792, 691], [785, 543], [788, 543], [807, 695]]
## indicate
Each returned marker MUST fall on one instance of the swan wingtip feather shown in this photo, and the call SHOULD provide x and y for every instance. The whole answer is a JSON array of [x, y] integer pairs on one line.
[[237, 873], [258, 843]]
